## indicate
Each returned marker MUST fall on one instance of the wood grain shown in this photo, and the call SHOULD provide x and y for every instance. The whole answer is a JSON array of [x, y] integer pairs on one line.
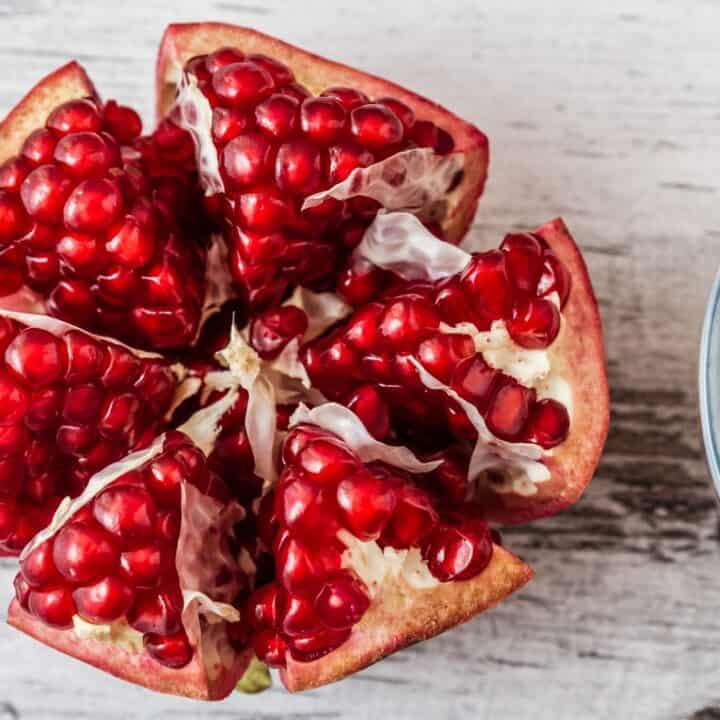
[[609, 115]]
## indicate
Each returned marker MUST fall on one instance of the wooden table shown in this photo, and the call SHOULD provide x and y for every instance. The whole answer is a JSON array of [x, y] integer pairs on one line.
[[609, 115]]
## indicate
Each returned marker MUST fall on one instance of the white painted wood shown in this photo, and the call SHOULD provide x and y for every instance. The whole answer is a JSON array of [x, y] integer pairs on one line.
[[608, 114]]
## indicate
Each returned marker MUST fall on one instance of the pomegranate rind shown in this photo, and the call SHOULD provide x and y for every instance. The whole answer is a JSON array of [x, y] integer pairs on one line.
[[401, 616], [68, 82], [183, 41], [578, 356], [191, 681]]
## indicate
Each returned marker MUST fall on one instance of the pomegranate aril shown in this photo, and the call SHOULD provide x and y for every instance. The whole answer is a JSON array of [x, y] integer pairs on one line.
[[228, 123], [548, 425], [247, 160], [82, 404], [263, 209], [123, 122], [509, 409], [270, 648], [412, 519], [349, 98], [524, 261], [242, 84], [83, 553], [403, 112], [301, 567], [266, 606], [44, 193], [220, 58], [13, 400], [93, 206], [474, 380], [298, 167], [307, 509], [486, 283], [369, 405], [406, 321], [55, 607], [323, 119], [278, 117], [103, 602], [534, 323], [375, 126], [87, 154], [173, 651], [75, 116], [299, 617], [157, 611], [441, 354], [125, 511], [341, 603], [555, 278], [39, 146], [312, 647], [344, 157], [38, 567], [13, 221], [12, 173], [326, 461], [273, 329], [22, 591], [37, 357], [366, 504], [280, 72], [458, 552]]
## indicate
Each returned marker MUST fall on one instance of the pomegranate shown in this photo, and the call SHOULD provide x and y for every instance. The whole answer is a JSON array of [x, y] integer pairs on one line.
[[502, 349], [139, 574], [365, 553], [301, 169], [71, 403], [93, 230]]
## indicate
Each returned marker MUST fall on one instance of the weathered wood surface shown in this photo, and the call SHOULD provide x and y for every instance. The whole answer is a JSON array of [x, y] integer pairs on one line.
[[609, 115]]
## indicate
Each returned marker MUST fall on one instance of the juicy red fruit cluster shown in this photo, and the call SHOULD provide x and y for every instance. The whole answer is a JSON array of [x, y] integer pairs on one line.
[[115, 558], [324, 489], [70, 404], [277, 144], [379, 344], [88, 226]]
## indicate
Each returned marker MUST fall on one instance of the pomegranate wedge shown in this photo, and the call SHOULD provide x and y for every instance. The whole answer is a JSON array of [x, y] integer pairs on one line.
[[71, 403], [503, 349], [298, 154], [94, 228], [368, 557], [139, 574]]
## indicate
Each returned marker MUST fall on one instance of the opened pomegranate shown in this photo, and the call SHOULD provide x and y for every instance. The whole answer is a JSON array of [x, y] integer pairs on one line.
[[70, 404], [92, 230], [365, 551], [138, 575], [279, 131], [503, 351]]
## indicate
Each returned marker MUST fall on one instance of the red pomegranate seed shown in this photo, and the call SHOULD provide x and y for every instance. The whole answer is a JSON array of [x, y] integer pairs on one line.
[[104, 602], [36, 357], [82, 404], [44, 193], [350, 98], [366, 504], [172, 651], [13, 172], [132, 242], [441, 353], [270, 648], [307, 509], [312, 647], [123, 122], [375, 126], [55, 607], [406, 321], [22, 591], [298, 167], [13, 220], [412, 519], [11, 477], [273, 329], [509, 409], [165, 479], [93, 206], [280, 73], [83, 553], [242, 84], [247, 160], [278, 116], [228, 123], [368, 404], [486, 282], [38, 567], [125, 511], [87, 154], [326, 461], [13, 400], [122, 370], [403, 112], [323, 119], [549, 424], [524, 260], [341, 603], [168, 524], [360, 283], [39, 146], [474, 380], [452, 476], [458, 553], [263, 210], [157, 611], [75, 116], [222, 57], [85, 357], [534, 323], [555, 278], [301, 568], [265, 607], [344, 157], [299, 617]]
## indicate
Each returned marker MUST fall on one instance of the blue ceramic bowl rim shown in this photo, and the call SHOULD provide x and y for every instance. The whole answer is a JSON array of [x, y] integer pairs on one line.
[[709, 383]]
